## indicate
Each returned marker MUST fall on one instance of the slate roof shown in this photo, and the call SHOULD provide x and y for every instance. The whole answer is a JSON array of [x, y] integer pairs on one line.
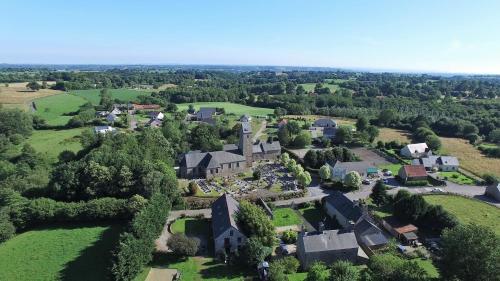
[[360, 167], [206, 112], [266, 147], [111, 117], [432, 160], [329, 132], [230, 147], [245, 118], [223, 214], [369, 234], [246, 127], [212, 159], [329, 240], [325, 122], [344, 206]]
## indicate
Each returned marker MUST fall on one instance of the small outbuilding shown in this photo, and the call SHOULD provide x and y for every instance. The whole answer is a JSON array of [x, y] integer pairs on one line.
[[409, 173]]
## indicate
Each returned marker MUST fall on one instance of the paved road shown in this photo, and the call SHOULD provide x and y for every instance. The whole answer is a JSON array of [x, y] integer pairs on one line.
[[260, 131]]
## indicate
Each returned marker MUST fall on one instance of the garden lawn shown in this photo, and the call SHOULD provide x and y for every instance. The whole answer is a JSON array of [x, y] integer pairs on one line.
[[428, 266], [468, 210], [285, 217], [229, 108], [310, 86], [457, 177], [67, 253], [56, 109], [191, 226], [299, 276], [394, 168], [124, 95], [200, 268], [52, 142]]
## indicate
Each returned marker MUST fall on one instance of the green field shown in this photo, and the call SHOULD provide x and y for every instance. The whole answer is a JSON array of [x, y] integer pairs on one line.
[[285, 217], [124, 95], [69, 253], [428, 266], [229, 107], [54, 109], [310, 86], [468, 210], [52, 142]]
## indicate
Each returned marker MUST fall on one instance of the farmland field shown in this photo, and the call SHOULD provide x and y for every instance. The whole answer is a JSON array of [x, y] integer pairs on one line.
[[388, 134], [52, 142], [229, 107], [55, 109], [67, 253], [470, 157], [125, 95], [310, 86], [17, 96], [468, 210]]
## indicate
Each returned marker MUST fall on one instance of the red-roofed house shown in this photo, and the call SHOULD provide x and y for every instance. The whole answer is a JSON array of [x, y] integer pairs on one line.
[[412, 173]]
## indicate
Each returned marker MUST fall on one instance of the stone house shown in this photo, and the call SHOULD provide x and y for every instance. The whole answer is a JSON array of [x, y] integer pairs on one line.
[[227, 235]]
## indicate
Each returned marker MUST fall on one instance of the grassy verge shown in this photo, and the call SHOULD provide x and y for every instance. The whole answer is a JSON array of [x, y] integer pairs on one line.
[[468, 210], [59, 253]]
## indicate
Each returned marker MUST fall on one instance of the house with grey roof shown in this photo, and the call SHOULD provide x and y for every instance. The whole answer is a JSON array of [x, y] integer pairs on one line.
[[227, 235], [343, 209], [339, 170], [493, 191], [246, 118], [112, 118], [329, 246], [205, 114], [233, 159], [369, 235], [442, 163], [325, 123]]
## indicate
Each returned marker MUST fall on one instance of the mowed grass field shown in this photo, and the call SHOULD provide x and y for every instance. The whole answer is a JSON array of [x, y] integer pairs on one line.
[[16, 95], [55, 109], [470, 158], [285, 217], [125, 95], [468, 210], [52, 142], [229, 107], [69, 253]]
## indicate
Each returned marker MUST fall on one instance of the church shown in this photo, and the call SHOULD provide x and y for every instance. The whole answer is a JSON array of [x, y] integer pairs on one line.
[[233, 159]]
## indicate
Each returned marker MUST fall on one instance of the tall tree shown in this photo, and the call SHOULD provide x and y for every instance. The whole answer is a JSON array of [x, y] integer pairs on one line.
[[470, 252], [344, 271]]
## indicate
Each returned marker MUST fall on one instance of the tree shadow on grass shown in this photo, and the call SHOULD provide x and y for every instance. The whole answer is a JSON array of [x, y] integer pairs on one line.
[[93, 262], [216, 270]]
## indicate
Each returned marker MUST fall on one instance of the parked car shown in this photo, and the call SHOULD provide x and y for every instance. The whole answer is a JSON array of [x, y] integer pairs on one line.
[[386, 181], [387, 173], [366, 181], [437, 190]]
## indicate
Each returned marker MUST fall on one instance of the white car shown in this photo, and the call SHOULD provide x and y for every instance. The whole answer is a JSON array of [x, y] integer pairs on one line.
[[437, 190]]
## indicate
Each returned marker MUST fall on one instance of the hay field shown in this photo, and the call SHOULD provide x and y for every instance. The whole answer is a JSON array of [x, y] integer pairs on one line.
[[470, 157], [388, 134], [16, 95]]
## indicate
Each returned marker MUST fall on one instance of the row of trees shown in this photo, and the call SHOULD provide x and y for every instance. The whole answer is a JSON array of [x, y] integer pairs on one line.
[[318, 158], [302, 176]]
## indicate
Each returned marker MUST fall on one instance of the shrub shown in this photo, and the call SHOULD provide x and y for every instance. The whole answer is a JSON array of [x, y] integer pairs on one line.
[[182, 245], [289, 236], [416, 183], [7, 229]]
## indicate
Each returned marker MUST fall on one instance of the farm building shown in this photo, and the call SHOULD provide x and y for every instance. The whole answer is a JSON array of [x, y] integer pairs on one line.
[[227, 235], [369, 235], [404, 232], [412, 173], [325, 123], [415, 150], [205, 113]]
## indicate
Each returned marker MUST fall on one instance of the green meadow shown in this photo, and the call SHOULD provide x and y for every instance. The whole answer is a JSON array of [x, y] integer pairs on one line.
[[124, 95], [52, 142], [310, 86], [55, 109], [229, 107], [66, 253]]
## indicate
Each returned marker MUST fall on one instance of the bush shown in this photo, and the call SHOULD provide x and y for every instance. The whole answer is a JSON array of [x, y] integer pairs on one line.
[[182, 245], [7, 229], [417, 183], [289, 236], [193, 187]]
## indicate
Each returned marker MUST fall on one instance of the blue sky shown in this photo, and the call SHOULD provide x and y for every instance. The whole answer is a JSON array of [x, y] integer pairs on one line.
[[434, 36]]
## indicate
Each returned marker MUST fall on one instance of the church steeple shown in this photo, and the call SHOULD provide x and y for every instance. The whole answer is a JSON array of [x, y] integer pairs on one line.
[[245, 144]]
